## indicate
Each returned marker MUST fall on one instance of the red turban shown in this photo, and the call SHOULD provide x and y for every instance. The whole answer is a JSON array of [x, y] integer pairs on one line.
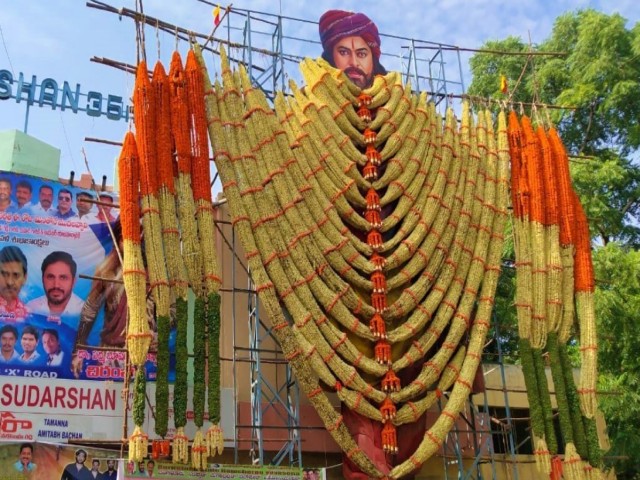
[[338, 24]]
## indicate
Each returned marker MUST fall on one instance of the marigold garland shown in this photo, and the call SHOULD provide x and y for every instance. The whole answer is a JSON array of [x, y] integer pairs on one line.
[[563, 216], [134, 275], [306, 193], [207, 327], [180, 129], [585, 310], [176, 270], [145, 106]]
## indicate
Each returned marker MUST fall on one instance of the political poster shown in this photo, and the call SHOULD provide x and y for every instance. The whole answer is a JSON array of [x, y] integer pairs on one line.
[[46, 461], [160, 470], [62, 302]]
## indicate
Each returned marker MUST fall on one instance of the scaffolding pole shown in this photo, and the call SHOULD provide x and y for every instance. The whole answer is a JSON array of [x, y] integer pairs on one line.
[[267, 53], [477, 424]]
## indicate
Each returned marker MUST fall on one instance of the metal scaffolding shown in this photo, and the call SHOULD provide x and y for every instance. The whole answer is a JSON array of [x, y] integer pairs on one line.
[[282, 396], [479, 428], [259, 41]]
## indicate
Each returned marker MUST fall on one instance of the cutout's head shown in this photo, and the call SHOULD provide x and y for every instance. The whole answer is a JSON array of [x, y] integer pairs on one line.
[[351, 43]]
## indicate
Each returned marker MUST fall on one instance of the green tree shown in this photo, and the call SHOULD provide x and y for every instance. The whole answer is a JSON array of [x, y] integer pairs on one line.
[[599, 76], [617, 297]]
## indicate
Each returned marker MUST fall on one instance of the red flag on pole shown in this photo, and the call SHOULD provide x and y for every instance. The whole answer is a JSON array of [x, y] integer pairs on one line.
[[216, 15]]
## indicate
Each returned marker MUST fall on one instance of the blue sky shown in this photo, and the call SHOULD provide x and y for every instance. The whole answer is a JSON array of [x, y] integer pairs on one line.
[[56, 38]]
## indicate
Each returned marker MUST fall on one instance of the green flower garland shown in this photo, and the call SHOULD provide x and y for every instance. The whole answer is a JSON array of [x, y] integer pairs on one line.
[[579, 435], [199, 387], [213, 319], [531, 381], [162, 372], [593, 445], [139, 396], [560, 388], [545, 400], [182, 356]]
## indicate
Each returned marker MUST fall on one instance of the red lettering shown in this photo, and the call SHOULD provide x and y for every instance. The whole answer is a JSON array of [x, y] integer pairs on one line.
[[59, 397], [110, 400], [97, 371], [49, 397], [97, 401], [46, 397], [16, 394], [85, 398], [72, 401], [33, 397], [6, 395]]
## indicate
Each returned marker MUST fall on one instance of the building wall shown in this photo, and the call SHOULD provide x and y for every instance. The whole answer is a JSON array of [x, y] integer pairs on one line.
[[22, 153]]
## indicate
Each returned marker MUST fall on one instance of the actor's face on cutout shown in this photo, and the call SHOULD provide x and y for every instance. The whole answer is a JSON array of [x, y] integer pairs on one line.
[[353, 56]]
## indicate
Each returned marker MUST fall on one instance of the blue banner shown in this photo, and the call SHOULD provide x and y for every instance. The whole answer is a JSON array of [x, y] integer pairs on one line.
[[62, 303]]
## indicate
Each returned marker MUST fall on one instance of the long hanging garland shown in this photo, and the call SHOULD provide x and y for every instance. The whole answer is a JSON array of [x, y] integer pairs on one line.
[[201, 178], [378, 225], [189, 237], [134, 276], [584, 432], [308, 206], [541, 182], [145, 106], [176, 269], [555, 274]]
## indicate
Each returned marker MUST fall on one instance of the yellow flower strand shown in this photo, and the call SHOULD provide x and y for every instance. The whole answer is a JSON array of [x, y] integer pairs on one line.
[[272, 308]]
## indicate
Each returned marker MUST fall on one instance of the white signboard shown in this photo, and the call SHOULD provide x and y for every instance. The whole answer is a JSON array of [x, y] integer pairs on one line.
[[58, 410]]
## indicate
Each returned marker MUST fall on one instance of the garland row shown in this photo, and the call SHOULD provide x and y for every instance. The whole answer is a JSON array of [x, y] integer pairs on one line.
[[179, 247], [554, 282], [306, 189]]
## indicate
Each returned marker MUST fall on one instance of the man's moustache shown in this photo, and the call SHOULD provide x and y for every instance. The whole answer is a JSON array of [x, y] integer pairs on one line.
[[355, 70]]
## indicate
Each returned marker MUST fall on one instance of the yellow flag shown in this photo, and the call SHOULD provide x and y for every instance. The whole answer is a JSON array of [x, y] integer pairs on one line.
[[504, 88], [216, 15]]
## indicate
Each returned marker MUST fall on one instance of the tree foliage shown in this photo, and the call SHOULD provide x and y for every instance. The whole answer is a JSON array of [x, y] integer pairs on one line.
[[598, 75], [617, 305]]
